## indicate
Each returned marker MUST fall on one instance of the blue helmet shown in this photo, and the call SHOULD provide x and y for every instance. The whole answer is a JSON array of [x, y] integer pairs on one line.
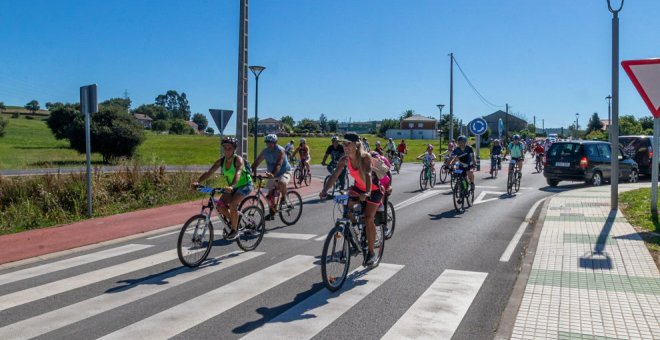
[[516, 137], [272, 138], [462, 138]]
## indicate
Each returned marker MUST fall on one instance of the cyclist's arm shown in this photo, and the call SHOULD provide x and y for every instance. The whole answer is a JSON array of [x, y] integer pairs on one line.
[[366, 165], [278, 163], [213, 169], [238, 166], [257, 162], [324, 158]]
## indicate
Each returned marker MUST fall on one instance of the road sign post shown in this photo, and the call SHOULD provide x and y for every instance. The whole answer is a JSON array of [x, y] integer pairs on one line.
[[478, 127], [645, 75], [88, 105], [221, 118]]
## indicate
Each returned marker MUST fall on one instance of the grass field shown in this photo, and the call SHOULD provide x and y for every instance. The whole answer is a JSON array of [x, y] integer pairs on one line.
[[30, 144], [636, 206]]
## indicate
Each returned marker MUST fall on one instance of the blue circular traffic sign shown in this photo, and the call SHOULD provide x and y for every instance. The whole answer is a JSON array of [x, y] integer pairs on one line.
[[478, 126]]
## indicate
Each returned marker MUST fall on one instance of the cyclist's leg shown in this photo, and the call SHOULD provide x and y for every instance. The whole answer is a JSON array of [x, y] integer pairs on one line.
[[282, 183], [373, 202], [223, 205], [236, 199], [470, 174], [271, 185]]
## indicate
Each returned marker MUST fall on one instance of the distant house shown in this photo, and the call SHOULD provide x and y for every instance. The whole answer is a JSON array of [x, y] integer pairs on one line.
[[270, 125], [515, 123], [606, 124], [359, 127], [415, 127], [193, 125], [143, 120]]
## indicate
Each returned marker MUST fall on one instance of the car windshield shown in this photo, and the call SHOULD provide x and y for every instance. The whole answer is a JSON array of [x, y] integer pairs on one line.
[[564, 150]]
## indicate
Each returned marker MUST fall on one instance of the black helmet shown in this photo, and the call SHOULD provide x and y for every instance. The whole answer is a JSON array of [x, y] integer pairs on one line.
[[462, 138], [229, 140]]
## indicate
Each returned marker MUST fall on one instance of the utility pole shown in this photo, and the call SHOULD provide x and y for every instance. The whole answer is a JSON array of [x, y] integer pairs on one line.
[[451, 96], [609, 118], [542, 124], [506, 125], [534, 124], [614, 131], [242, 95]]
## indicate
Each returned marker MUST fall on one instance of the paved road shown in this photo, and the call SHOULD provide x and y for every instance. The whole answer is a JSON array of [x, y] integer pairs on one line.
[[443, 275]]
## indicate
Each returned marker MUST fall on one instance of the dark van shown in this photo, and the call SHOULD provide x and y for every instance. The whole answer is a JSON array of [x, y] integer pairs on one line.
[[587, 161], [640, 149]]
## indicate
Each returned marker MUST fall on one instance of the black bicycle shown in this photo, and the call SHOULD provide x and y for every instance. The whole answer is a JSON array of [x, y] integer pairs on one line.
[[495, 165], [539, 163], [463, 193], [513, 182], [338, 187], [345, 240], [301, 175], [386, 217], [290, 209], [196, 237]]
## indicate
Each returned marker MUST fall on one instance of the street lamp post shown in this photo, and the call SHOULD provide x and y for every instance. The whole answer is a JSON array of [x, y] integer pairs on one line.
[[609, 118], [440, 106], [577, 125], [614, 130], [256, 70]]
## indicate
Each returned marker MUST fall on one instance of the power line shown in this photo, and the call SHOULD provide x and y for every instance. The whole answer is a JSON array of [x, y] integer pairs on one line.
[[479, 95]]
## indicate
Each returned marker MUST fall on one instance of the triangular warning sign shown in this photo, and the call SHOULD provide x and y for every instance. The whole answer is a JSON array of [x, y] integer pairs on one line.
[[645, 75]]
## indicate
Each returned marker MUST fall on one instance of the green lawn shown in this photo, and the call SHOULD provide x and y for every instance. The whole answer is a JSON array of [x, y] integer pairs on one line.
[[636, 206], [30, 144]]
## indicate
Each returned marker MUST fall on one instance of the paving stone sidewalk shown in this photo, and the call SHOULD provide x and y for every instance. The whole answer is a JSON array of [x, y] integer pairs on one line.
[[592, 276]]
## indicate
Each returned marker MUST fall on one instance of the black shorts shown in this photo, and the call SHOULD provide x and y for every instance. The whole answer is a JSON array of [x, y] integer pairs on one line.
[[376, 196]]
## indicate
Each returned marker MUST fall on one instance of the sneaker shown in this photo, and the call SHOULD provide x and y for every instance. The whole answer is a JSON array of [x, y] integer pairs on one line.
[[372, 260], [232, 236]]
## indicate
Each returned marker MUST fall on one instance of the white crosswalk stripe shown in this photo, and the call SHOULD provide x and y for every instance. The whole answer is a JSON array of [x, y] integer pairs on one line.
[[61, 286], [439, 311], [62, 317], [292, 236], [193, 312], [322, 308], [70, 263]]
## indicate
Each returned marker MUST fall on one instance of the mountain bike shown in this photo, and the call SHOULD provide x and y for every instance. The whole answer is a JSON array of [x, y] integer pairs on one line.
[[336, 187], [445, 170], [196, 237], [290, 209], [513, 182], [495, 165], [396, 162], [539, 163], [346, 240], [463, 193], [301, 175], [427, 176]]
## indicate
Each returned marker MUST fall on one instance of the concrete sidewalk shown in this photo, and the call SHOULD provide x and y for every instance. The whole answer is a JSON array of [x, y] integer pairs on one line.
[[39, 242], [592, 276]]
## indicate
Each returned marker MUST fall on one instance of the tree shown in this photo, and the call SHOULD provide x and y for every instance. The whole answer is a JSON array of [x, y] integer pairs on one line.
[[407, 114], [444, 126], [209, 130], [51, 105], [2, 106], [3, 125], [62, 119], [323, 122], [596, 135], [307, 125], [160, 125], [32, 106], [646, 122], [595, 124], [250, 125], [387, 124], [121, 103], [628, 125], [180, 127], [333, 124], [155, 112], [201, 121], [531, 127], [175, 103], [288, 120]]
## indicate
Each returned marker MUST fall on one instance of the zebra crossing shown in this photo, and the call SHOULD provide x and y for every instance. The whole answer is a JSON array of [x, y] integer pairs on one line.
[[435, 314]]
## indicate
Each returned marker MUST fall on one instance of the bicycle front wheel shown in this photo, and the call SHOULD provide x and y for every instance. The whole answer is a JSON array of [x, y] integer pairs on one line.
[[297, 178], [379, 243], [443, 174], [251, 228], [308, 178], [195, 241], [422, 180], [517, 182], [335, 259], [432, 179], [291, 209], [458, 198], [509, 184], [390, 222], [331, 191]]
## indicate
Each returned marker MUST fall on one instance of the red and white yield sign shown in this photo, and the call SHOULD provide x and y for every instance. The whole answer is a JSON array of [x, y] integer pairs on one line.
[[645, 75]]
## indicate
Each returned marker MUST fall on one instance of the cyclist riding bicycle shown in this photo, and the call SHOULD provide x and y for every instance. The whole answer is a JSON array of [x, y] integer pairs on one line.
[[465, 155], [366, 188], [428, 157], [365, 144], [547, 145], [539, 151], [390, 149], [305, 153], [336, 152], [379, 148], [289, 149], [239, 181], [451, 146], [402, 149], [495, 151], [516, 150], [277, 172]]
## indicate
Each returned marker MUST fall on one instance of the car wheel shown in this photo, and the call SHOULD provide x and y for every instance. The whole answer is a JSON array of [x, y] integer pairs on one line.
[[597, 179], [552, 182], [634, 176]]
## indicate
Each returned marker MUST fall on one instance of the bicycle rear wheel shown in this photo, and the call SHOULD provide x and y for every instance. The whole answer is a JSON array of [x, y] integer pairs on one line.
[[335, 259], [291, 210], [432, 179], [252, 200], [297, 178], [251, 227], [390, 223], [195, 241], [458, 198]]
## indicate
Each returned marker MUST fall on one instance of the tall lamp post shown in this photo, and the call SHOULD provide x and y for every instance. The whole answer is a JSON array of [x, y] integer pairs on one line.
[[577, 125], [440, 106], [609, 117], [257, 71], [614, 130]]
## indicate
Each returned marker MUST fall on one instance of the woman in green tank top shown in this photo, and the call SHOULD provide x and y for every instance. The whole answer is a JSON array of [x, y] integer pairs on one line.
[[239, 183]]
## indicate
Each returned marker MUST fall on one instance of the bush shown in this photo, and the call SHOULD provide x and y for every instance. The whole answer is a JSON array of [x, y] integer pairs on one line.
[[15, 115], [3, 125], [29, 117], [160, 125], [179, 127]]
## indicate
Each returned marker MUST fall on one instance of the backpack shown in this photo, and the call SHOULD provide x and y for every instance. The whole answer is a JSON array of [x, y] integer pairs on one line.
[[380, 166]]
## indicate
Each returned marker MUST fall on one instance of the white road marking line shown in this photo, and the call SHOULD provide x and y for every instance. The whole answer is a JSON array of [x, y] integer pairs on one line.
[[68, 315], [440, 309], [321, 238], [480, 199], [506, 256], [321, 309], [182, 317], [70, 263], [178, 226], [64, 285], [292, 236], [415, 199]]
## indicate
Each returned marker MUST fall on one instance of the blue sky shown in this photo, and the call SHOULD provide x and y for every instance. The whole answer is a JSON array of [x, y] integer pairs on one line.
[[354, 59]]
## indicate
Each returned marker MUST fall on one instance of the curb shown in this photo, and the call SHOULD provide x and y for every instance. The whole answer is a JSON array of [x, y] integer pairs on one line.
[[508, 318]]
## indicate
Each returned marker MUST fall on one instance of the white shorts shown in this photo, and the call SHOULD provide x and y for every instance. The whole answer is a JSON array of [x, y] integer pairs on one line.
[[284, 179]]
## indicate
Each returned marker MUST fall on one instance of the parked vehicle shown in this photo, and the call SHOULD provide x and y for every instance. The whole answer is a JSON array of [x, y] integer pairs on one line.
[[588, 161], [640, 149]]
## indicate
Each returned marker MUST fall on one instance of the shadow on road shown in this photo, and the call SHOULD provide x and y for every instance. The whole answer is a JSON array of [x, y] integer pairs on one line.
[[447, 214]]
